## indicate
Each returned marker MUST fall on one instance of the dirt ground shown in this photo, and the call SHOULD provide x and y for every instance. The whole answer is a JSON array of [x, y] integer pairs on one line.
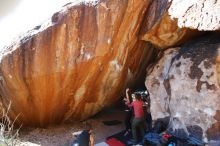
[[63, 135]]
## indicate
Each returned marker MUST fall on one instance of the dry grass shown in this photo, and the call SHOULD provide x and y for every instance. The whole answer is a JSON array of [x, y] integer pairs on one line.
[[8, 133]]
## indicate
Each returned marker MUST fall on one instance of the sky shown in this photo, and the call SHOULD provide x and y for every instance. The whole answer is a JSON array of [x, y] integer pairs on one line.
[[19, 16]]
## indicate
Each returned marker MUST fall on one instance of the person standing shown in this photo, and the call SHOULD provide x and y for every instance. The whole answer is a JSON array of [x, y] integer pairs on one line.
[[129, 113], [138, 123]]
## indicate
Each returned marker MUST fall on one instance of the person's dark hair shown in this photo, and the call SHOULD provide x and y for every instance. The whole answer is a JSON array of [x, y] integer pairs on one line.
[[138, 96]]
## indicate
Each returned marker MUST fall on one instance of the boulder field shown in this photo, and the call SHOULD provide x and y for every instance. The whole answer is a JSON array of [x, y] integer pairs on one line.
[[82, 58]]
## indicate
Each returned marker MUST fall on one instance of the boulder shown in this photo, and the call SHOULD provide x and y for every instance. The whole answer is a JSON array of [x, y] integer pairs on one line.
[[196, 14], [162, 31], [75, 64], [184, 85]]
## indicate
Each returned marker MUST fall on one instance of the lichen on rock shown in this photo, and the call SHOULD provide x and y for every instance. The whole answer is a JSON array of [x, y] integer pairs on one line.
[[185, 84]]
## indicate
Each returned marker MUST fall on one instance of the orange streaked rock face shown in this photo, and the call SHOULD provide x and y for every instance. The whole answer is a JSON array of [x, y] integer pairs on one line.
[[76, 63]]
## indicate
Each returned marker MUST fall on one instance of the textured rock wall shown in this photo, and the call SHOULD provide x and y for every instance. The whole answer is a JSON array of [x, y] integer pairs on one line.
[[80, 60], [76, 63], [159, 29], [184, 84], [196, 14]]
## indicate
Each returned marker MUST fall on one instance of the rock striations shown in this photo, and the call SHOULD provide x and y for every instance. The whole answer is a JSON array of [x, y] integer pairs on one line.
[[76, 63], [85, 55]]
